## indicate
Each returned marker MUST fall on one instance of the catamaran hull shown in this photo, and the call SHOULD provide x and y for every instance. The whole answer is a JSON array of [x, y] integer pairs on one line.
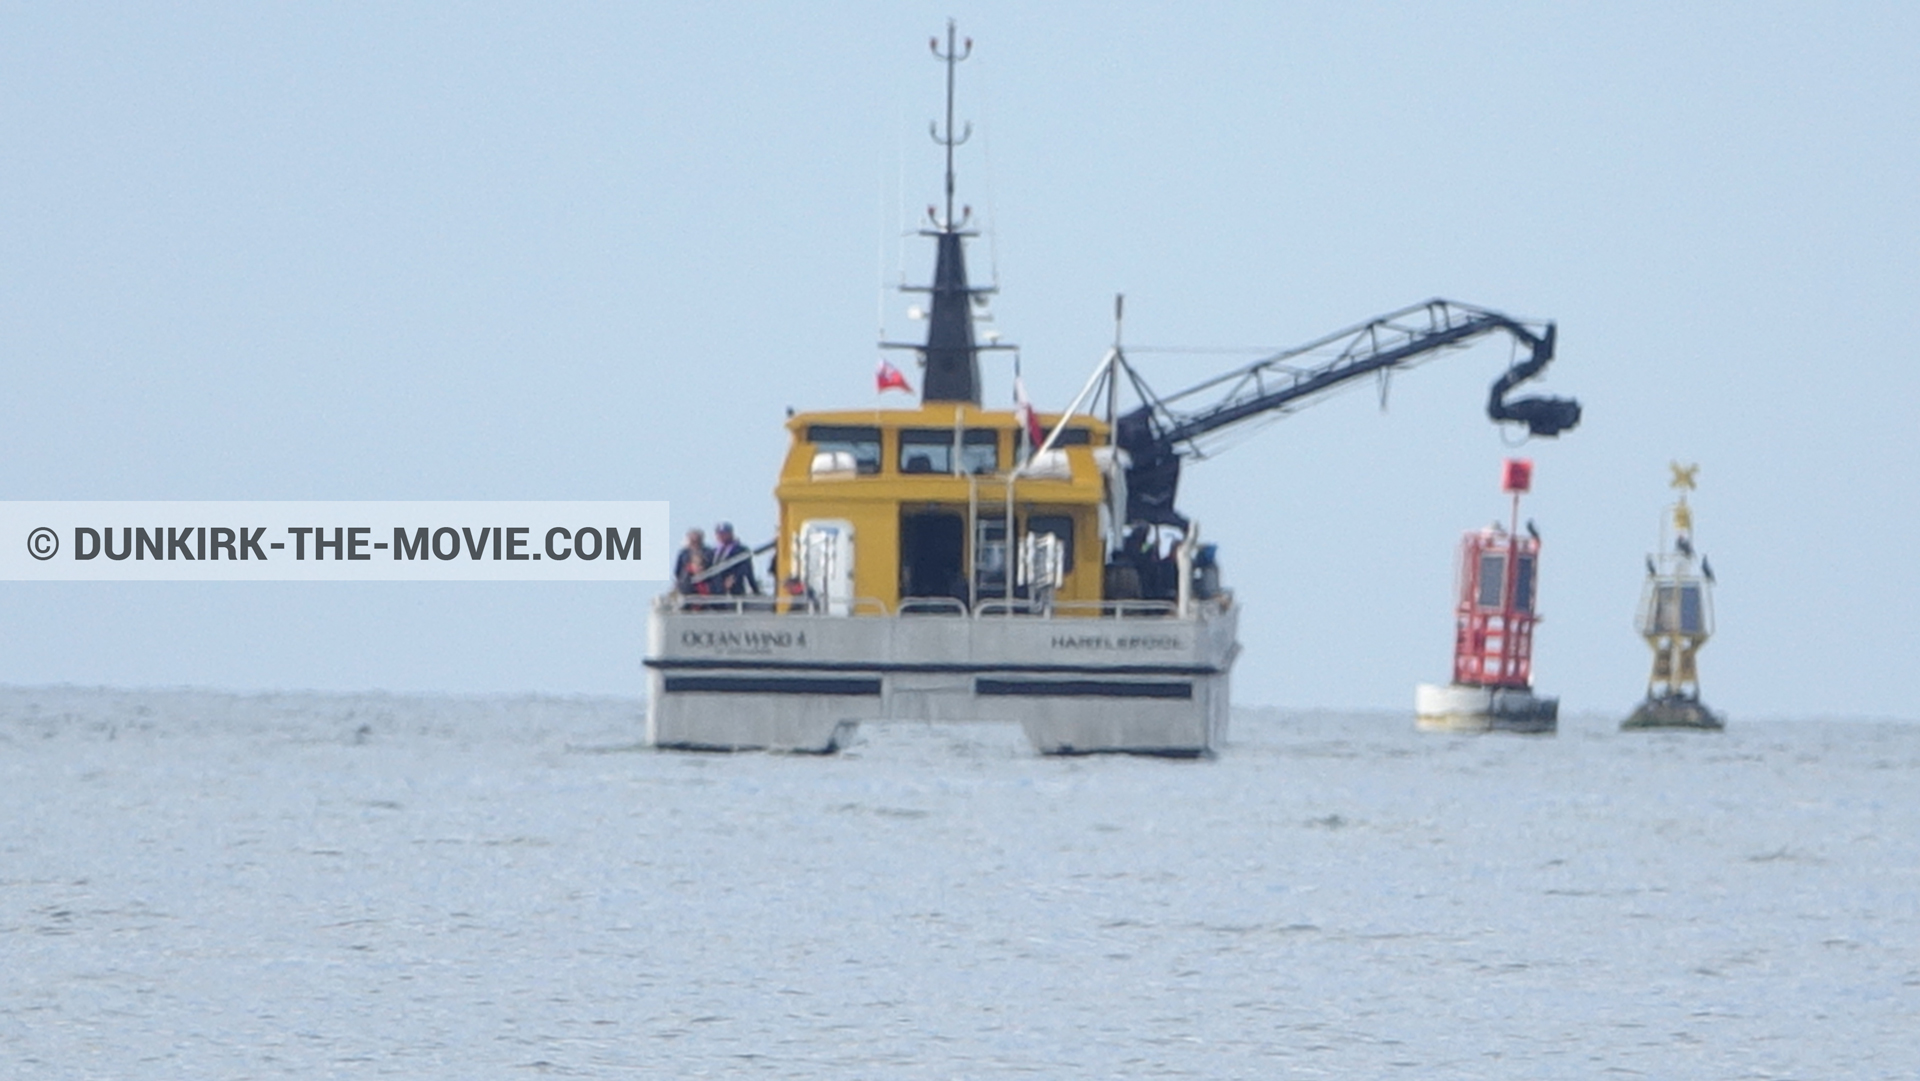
[[735, 681]]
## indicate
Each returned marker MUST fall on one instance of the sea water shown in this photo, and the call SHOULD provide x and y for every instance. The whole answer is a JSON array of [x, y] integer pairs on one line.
[[222, 886]]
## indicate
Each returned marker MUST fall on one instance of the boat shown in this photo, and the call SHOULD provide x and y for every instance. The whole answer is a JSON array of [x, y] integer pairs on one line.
[[952, 562]]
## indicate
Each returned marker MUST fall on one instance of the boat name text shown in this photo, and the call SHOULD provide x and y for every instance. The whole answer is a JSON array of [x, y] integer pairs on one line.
[[1105, 641], [744, 641]]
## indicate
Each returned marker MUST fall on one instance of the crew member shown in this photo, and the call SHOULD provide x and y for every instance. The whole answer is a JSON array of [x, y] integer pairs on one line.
[[737, 578], [692, 561]]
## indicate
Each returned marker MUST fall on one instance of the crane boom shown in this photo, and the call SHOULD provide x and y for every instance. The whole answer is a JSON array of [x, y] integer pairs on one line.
[[1160, 432]]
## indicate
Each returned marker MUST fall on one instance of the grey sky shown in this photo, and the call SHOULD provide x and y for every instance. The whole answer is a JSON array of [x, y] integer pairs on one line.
[[348, 252]]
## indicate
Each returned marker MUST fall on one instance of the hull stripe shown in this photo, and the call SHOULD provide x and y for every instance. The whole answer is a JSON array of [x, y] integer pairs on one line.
[[770, 685], [745, 665], [1081, 688]]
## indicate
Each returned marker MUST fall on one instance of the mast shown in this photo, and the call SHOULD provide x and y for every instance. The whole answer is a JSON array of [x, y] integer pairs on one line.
[[950, 354]]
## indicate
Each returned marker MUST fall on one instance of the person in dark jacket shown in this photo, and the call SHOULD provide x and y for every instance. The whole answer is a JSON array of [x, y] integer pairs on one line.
[[739, 578]]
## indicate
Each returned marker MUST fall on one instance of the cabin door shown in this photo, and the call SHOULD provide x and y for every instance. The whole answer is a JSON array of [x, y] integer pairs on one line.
[[990, 558], [823, 552], [932, 555]]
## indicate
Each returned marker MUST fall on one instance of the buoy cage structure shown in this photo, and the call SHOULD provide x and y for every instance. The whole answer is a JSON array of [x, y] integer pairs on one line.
[[1497, 583]]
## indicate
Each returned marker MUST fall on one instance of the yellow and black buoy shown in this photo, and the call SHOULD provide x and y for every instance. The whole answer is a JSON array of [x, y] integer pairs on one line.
[[1676, 619]]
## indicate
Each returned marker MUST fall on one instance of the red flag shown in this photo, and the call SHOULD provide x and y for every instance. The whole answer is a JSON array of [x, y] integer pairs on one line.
[[1023, 409], [1516, 475], [887, 377]]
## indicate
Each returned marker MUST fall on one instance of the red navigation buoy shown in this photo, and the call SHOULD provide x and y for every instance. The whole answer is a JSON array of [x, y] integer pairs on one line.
[[1494, 617]]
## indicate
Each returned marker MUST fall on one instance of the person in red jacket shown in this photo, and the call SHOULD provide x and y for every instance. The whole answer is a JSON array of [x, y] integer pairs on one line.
[[693, 561]]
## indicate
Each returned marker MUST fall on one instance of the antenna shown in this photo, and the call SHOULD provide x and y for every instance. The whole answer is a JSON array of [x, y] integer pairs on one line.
[[951, 57], [950, 354]]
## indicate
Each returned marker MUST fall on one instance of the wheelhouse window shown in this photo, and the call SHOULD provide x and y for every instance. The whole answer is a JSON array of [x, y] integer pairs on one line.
[[861, 442], [930, 450], [980, 451], [926, 450], [1068, 437]]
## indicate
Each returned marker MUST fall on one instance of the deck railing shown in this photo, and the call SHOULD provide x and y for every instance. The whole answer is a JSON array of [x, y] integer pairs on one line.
[[761, 603], [937, 607], [932, 606], [1002, 608]]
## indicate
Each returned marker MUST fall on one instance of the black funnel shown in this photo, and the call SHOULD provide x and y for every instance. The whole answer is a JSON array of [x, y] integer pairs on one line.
[[953, 368]]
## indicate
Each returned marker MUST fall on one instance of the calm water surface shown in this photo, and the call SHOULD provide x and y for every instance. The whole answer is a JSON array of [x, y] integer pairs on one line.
[[204, 885]]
